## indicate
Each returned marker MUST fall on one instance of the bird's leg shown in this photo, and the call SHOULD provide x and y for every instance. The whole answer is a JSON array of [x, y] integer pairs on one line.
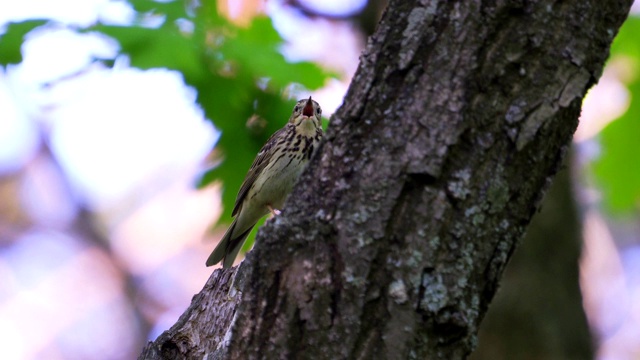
[[274, 211]]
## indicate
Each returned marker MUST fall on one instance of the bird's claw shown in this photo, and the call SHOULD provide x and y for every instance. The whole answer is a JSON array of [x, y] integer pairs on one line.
[[274, 211]]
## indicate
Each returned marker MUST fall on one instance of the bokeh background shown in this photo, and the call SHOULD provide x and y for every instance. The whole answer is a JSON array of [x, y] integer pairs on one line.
[[126, 129]]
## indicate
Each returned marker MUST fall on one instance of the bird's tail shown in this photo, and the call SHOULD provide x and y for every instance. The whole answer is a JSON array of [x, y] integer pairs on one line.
[[228, 248]]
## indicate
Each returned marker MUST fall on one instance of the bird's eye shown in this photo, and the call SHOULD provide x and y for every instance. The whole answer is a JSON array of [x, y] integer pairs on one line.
[[319, 111], [296, 108]]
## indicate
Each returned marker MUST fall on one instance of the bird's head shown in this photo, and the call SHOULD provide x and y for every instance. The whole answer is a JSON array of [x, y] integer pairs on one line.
[[308, 113]]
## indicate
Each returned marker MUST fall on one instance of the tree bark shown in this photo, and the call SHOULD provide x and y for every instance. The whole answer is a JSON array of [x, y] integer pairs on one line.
[[393, 242], [537, 312]]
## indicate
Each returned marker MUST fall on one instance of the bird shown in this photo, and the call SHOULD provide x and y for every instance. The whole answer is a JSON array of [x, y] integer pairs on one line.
[[271, 177]]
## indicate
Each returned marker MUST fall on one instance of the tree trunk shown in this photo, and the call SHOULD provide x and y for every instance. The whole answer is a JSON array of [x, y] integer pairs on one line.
[[537, 313], [393, 242]]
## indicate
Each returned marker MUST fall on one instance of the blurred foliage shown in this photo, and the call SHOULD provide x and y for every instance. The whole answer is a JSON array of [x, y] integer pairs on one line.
[[12, 39], [238, 72], [618, 168]]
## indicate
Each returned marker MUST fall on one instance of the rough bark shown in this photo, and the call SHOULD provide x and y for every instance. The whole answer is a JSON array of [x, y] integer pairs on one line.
[[537, 312], [393, 242]]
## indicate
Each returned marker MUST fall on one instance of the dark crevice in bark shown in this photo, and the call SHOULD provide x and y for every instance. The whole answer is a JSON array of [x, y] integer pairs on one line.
[[268, 315], [295, 338], [369, 337], [336, 280]]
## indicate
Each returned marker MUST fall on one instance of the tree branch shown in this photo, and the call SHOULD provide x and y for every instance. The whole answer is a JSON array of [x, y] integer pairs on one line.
[[394, 240]]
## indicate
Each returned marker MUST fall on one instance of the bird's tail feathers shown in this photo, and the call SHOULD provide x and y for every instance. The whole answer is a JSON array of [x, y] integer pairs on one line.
[[228, 248], [234, 248]]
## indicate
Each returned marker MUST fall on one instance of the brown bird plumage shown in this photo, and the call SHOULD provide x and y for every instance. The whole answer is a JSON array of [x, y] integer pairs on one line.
[[271, 177]]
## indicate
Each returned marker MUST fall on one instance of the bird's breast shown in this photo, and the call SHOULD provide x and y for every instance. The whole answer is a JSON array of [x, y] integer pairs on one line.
[[306, 128], [276, 181]]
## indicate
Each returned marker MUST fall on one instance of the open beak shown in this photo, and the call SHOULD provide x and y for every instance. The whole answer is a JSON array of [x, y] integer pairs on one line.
[[308, 108]]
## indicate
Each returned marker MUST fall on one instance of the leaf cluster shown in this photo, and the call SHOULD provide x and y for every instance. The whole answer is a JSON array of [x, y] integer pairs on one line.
[[243, 81], [617, 170]]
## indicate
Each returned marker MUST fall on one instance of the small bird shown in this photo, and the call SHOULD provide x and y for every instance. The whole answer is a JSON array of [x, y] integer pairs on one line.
[[271, 177]]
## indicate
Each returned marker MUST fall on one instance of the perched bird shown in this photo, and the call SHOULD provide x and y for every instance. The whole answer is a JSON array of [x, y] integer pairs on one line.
[[271, 177]]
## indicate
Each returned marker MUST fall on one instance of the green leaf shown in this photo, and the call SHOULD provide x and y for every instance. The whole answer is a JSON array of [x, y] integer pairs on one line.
[[164, 47], [251, 239], [11, 41], [255, 49], [617, 170], [626, 42], [171, 9]]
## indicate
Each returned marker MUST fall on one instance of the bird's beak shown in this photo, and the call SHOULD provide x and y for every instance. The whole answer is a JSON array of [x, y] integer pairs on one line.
[[308, 108]]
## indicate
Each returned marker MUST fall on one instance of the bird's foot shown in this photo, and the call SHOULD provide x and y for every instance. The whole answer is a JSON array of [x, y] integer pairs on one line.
[[274, 211]]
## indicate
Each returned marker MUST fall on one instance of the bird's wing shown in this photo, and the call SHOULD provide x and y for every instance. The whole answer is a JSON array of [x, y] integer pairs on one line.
[[260, 162]]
